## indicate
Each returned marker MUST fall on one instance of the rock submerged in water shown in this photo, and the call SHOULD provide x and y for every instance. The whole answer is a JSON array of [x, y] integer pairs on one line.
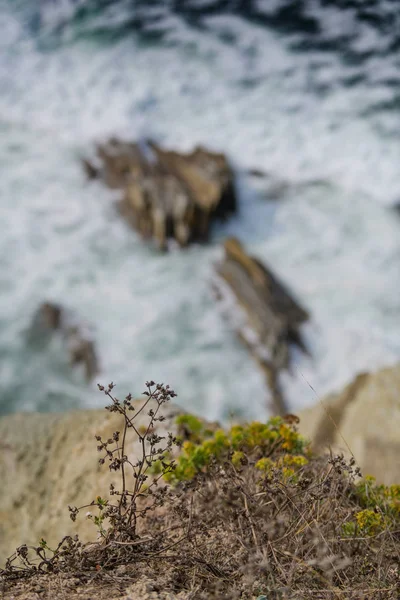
[[269, 319], [51, 317], [168, 195]]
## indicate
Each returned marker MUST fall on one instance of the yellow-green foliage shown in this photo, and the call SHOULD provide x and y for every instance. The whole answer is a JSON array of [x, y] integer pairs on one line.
[[272, 446], [191, 426], [381, 508], [369, 521], [265, 464], [240, 443], [372, 495], [288, 464]]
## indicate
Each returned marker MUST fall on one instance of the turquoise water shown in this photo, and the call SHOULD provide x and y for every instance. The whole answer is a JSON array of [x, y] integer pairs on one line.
[[309, 94]]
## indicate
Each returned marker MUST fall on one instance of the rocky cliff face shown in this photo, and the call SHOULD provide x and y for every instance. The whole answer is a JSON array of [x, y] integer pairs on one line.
[[363, 419]]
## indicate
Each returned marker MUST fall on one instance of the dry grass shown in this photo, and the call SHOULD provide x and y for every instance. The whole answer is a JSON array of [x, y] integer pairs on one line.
[[265, 520]]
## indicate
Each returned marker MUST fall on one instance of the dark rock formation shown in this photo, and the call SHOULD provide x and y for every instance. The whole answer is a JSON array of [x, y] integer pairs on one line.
[[90, 169], [52, 317], [168, 195], [270, 317]]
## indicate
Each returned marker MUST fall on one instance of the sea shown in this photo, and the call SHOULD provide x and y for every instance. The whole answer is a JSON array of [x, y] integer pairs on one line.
[[306, 91]]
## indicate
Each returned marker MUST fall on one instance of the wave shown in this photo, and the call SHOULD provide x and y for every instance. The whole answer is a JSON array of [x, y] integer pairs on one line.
[[352, 28], [306, 91]]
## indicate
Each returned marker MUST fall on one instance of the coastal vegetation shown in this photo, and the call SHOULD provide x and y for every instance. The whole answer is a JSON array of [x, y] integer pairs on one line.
[[243, 512]]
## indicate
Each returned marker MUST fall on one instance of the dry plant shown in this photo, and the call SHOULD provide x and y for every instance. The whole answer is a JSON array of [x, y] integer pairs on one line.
[[245, 513]]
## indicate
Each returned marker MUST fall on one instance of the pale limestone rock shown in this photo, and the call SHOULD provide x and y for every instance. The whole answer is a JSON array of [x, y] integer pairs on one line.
[[363, 419]]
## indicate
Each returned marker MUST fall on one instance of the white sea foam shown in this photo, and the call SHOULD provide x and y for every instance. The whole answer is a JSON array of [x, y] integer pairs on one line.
[[236, 87]]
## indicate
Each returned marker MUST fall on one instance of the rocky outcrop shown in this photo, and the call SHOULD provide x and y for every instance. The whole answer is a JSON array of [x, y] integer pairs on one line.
[[269, 319], [52, 318], [363, 420], [50, 461], [168, 195]]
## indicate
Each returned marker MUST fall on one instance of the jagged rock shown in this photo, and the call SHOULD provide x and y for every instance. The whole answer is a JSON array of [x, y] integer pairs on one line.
[[50, 461], [270, 318], [91, 171], [363, 419], [168, 195], [51, 317]]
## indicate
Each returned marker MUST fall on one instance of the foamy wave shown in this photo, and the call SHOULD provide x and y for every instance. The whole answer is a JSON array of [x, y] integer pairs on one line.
[[316, 123]]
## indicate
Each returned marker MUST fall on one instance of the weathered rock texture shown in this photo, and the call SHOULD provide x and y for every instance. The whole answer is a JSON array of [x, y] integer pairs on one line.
[[168, 195], [364, 419], [50, 461], [271, 316], [51, 318]]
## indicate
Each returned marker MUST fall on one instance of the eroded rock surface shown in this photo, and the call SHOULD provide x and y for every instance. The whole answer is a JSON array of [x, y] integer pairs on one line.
[[269, 319], [168, 195], [363, 419], [51, 318]]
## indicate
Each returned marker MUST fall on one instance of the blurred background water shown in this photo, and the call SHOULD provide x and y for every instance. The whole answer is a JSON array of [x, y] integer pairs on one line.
[[308, 91]]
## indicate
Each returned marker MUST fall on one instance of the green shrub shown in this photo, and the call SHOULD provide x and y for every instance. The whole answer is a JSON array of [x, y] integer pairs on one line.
[[380, 508], [252, 443]]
